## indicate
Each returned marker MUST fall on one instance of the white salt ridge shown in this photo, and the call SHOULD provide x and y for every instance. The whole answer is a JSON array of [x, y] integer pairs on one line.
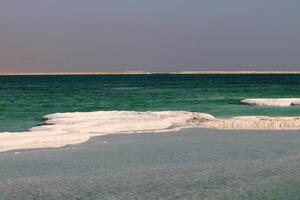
[[281, 102], [254, 123], [72, 128], [63, 129]]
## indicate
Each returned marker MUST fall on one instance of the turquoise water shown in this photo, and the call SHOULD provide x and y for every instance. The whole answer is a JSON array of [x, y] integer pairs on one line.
[[192, 164], [25, 99]]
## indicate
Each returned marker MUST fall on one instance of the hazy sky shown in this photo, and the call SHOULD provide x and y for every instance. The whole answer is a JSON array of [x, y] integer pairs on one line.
[[156, 35]]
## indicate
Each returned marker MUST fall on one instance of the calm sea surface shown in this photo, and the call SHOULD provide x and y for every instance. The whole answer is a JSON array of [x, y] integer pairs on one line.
[[25, 99], [192, 164]]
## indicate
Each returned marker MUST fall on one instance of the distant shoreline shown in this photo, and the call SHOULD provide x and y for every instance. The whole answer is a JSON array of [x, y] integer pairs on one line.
[[137, 72], [74, 73], [240, 72]]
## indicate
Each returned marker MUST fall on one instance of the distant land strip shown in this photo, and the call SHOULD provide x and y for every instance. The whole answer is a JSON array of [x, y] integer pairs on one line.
[[239, 72], [75, 73], [146, 72]]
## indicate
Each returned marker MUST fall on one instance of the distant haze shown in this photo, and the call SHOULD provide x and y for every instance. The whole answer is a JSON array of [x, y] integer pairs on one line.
[[152, 35]]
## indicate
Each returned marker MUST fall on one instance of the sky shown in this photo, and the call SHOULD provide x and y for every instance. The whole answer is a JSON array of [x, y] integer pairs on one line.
[[152, 35]]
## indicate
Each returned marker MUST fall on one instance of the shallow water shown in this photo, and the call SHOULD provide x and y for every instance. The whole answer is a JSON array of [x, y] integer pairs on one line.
[[190, 164], [24, 100]]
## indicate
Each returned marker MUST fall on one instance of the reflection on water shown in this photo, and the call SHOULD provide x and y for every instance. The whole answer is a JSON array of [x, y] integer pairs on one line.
[[195, 164]]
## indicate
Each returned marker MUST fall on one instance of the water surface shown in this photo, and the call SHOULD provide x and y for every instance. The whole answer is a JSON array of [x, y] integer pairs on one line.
[[24, 100], [190, 164]]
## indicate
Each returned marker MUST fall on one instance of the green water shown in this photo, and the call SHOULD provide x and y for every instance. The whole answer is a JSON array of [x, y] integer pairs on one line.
[[193, 164], [25, 99]]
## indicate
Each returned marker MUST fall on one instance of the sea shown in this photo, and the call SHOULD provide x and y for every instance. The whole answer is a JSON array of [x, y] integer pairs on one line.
[[189, 164], [192, 164], [24, 100]]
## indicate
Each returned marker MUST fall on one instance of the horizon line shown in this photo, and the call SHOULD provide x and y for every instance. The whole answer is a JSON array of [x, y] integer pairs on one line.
[[136, 72]]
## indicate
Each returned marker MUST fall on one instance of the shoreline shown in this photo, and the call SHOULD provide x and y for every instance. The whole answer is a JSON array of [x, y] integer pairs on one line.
[[141, 72], [133, 72], [63, 129]]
